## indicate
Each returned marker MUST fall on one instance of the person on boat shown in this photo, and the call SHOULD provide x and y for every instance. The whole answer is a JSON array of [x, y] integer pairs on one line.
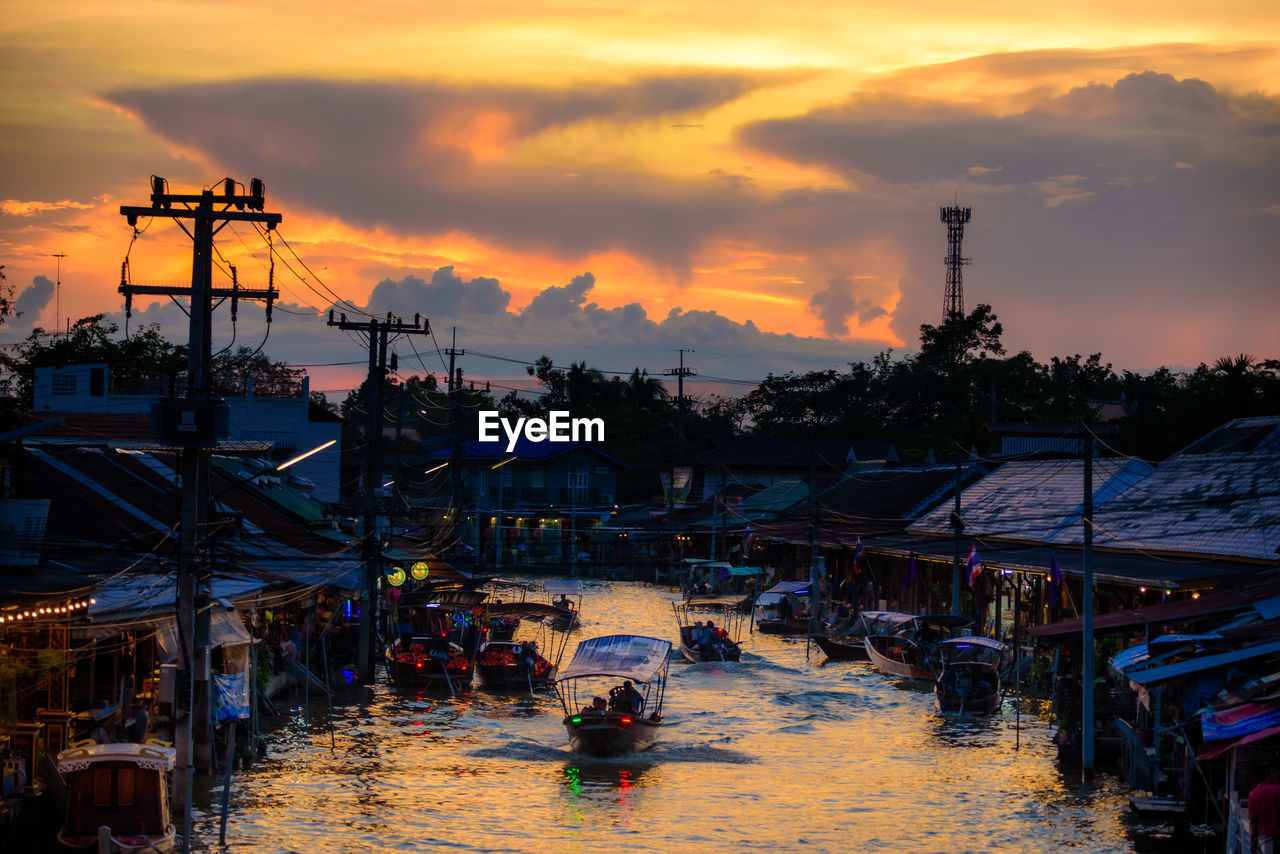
[[635, 700], [709, 637], [696, 634], [1264, 813]]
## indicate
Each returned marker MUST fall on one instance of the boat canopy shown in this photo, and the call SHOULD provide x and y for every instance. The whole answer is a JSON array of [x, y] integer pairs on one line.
[[565, 587], [891, 617], [634, 657], [975, 640], [726, 600], [452, 599], [526, 610], [789, 587], [948, 620], [151, 757]]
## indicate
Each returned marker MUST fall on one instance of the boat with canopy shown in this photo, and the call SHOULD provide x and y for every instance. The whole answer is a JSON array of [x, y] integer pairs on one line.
[[721, 642], [783, 609], [529, 661], [847, 644], [630, 719], [438, 633], [968, 674], [901, 653], [566, 594], [122, 787]]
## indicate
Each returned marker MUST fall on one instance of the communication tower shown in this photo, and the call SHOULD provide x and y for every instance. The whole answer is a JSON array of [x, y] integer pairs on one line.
[[953, 298]]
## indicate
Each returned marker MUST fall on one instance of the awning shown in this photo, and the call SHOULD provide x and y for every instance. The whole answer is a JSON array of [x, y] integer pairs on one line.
[[226, 628], [1165, 672], [789, 587], [563, 587], [634, 657], [1240, 742]]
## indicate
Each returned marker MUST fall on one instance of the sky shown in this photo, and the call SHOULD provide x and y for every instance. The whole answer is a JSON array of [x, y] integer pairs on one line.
[[758, 183]]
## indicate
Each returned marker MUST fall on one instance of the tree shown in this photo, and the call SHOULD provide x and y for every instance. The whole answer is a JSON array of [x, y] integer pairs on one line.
[[6, 297]]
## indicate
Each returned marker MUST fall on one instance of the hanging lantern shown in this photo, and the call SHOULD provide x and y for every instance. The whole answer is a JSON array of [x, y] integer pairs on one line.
[[396, 576], [420, 570]]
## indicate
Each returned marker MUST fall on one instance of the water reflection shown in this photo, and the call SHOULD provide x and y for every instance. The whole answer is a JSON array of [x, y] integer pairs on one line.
[[777, 753]]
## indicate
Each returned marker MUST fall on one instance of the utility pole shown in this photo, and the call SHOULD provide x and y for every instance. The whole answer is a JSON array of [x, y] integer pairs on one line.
[[1086, 644], [680, 373], [209, 213], [57, 291], [378, 330], [453, 418], [957, 525]]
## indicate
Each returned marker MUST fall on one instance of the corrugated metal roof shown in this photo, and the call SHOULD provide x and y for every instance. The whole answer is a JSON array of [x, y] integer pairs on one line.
[[1030, 500], [1215, 504]]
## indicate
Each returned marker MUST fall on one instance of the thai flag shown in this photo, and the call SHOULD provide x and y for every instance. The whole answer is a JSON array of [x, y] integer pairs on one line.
[[857, 555], [913, 572], [1055, 582], [975, 566], [746, 546]]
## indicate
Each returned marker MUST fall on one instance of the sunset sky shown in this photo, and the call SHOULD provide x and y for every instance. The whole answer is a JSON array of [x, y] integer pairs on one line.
[[610, 181]]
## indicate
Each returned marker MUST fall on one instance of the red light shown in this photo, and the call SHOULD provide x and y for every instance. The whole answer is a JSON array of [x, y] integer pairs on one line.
[[626, 721]]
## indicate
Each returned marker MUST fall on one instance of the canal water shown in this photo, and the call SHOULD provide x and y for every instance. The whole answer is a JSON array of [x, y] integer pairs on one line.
[[777, 753]]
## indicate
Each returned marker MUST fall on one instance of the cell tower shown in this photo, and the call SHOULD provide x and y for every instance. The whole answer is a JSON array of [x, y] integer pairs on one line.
[[953, 298]]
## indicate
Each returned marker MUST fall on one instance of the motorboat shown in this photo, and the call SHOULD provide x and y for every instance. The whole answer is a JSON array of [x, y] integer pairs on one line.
[[968, 674], [902, 653], [726, 641], [848, 645], [566, 594], [630, 719], [530, 661], [123, 787], [783, 609]]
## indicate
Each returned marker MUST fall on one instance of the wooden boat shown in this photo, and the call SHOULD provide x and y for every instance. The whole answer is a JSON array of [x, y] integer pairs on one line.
[[439, 630], [528, 663], [897, 656], [779, 613], [619, 725], [968, 674], [430, 662], [124, 787], [903, 652], [838, 650], [567, 596], [848, 645], [729, 646], [514, 666]]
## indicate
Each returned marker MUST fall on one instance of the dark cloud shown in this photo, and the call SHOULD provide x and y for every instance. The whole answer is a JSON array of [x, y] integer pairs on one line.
[[34, 298], [1085, 210], [838, 303], [446, 294], [418, 157]]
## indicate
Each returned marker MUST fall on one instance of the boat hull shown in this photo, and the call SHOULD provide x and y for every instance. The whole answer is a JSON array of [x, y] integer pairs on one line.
[[506, 677], [896, 657], [430, 676], [163, 843], [968, 688], [694, 653], [783, 627], [837, 651], [614, 734]]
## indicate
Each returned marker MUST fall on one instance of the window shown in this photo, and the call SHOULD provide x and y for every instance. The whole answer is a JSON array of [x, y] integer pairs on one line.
[[64, 384], [535, 478], [102, 787], [506, 476], [97, 382], [579, 481], [126, 785]]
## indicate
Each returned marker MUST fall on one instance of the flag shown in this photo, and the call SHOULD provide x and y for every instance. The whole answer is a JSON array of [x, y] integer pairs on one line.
[[975, 566], [1055, 582], [746, 547], [913, 572], [857, 555]]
